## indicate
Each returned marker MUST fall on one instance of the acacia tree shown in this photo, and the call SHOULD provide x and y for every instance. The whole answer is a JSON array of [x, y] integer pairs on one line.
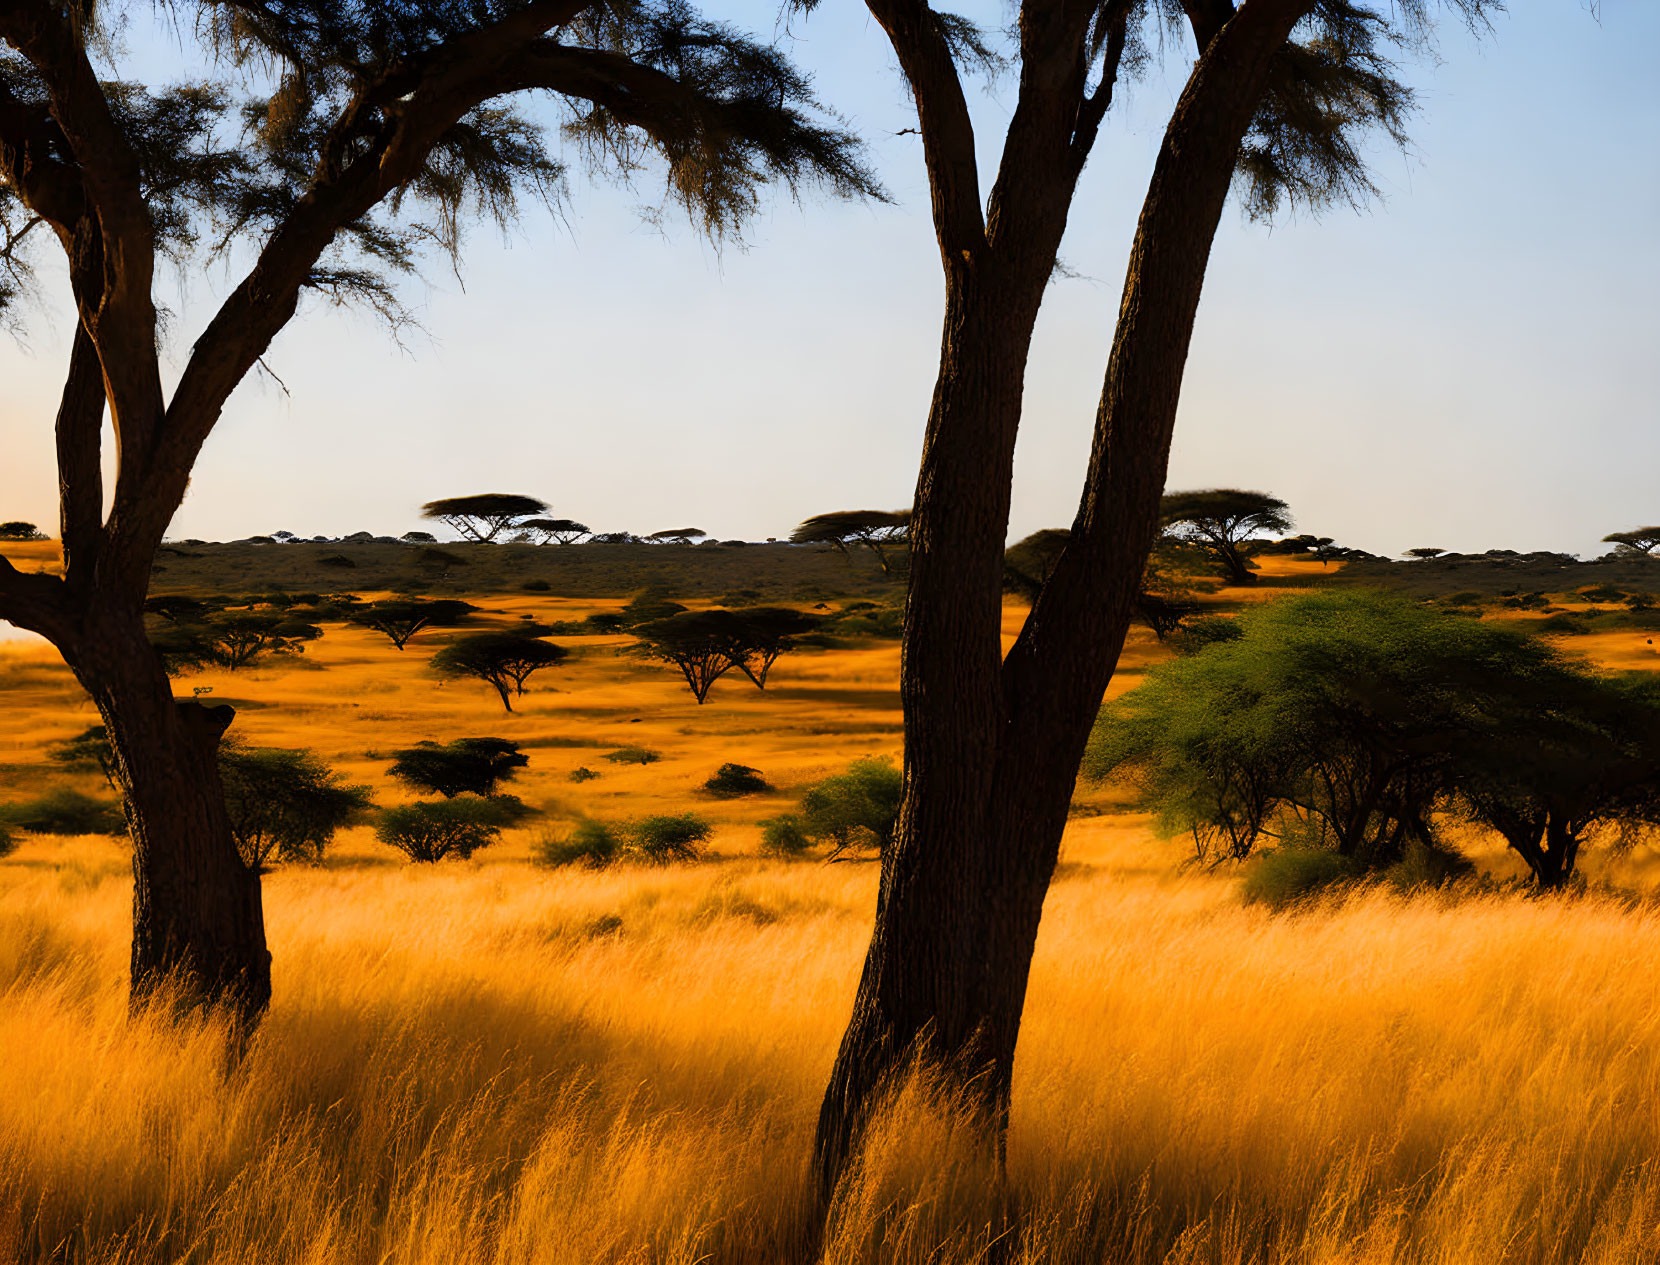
[[676, 536], [764, 633], [1220, 522], [877, 530], [1640, 542], [366, 130], [399, 619], [704, 645], [502, 660], [566, 531], [1274, 98], [485, 516]]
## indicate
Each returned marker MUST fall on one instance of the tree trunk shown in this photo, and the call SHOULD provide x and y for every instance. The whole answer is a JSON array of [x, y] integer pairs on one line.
[[992, 747], [198, 924]]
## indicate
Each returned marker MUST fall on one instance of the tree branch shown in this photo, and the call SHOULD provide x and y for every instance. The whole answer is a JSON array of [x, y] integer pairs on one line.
[[80, 474], [34, 601]]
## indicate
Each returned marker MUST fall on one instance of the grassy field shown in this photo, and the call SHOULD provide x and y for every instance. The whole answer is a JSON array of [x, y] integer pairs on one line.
[[488, 1061]]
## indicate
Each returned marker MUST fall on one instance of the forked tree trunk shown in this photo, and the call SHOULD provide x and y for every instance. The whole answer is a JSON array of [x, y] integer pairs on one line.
[[198, 923], [993, 744]]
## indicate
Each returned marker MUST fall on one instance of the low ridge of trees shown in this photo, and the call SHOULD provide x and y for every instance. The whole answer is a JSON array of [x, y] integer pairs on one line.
[[503, 660], [484, 516], [1222, 522], [1347, 720], [880, 531]]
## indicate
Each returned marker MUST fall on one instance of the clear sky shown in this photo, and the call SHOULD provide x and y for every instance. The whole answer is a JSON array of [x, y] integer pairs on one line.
[[1471, 362]]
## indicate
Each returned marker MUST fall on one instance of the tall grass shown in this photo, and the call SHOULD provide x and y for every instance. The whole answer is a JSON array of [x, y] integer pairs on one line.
[[488, 1062]]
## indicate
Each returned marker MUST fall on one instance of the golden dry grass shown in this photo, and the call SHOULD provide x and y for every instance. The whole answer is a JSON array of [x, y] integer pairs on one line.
[[490, 1062]]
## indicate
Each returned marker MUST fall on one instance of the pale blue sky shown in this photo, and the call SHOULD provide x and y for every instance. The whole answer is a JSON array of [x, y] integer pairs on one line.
[[1471, 362]]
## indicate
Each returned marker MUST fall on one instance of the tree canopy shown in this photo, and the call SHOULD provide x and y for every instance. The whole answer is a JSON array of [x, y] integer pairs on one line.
[[1347, 719], [399, 619], [466, 766], [1220, 522], [285, 804], [1638, 542], [485, 516], [565, 531], [503, 660], [880, 531]]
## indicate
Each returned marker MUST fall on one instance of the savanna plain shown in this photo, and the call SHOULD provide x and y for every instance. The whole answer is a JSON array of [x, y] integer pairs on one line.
[[491, 1060]]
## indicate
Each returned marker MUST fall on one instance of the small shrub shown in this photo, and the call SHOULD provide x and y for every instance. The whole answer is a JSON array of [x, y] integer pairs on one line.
[[1210, 631], [633, 755], [583, 774], [336, 560], [592, 843], [859, 808], [674, 837], [784, 837], [433, 830], [732, 780], [1427, 865], [1280, 877], [536, 586], [65, 812], [8, 842]]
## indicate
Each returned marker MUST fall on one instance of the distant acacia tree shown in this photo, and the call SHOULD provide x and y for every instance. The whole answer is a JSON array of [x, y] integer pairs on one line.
[[1220, 521], [564, 531], [399, 619], [322, 147], [880, 531], [676, 536], [704, 645], [1424, 553], [419, 537], [764, 633], [20, 531], [1640, 542], [1164, 600], [467, 766], [485, 516], [232, 640], [432, 831], [504, 660]]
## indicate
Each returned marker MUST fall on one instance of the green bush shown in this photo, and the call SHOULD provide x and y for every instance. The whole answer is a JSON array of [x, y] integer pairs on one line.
[[583, 774], [1210, 631], [784, 837], [591, 843], [859, 808], [1282, 876], [672, 837], [286, 804], [732, 780], [433, 830], [633, 755], [65, 812]]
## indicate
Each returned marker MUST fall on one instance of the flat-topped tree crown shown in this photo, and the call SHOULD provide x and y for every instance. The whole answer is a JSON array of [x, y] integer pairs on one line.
[[485, 516], [565, 531], [677, 535], [877, 530], [1220, 521], [1639, 542]]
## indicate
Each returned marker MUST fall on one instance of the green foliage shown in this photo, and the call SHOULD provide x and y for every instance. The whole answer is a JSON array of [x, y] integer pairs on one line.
[[592, 843], [582, 774], [1209, 631], [504, 660], [784, 836], [732, 780], [671, 837], [633, 755], [285, 804], [433, 830], [1281, 877], [466, 766], [64, 811], [1427, 864], [855, 809]]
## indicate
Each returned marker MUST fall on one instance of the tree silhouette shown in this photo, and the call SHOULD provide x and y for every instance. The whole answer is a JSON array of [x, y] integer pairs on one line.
[[1277, 97], [1639, 542], [504, 660], [877, 530], [328, 146], [399, 619], [467, 766], [483, 517], [676, 536], [704, 645], [18, 530], [565, 531], [1219, 521], [1424, 553], [764, 633]]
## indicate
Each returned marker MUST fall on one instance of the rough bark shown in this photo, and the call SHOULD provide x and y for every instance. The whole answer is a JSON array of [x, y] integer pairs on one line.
[[198, 928], [993, 743]]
